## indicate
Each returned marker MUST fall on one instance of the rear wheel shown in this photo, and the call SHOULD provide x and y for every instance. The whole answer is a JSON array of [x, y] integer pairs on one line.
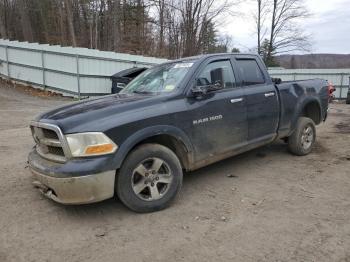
[[302, 140], [150, 178]]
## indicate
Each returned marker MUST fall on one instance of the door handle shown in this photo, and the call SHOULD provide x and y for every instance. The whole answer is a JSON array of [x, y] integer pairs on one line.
[[236, 100], [270, 94]]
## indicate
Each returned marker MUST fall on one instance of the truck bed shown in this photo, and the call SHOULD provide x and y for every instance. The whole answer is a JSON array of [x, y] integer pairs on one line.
[[291, 92]]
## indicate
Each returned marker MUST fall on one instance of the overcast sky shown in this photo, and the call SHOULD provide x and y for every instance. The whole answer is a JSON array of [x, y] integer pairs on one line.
[[329, 26]]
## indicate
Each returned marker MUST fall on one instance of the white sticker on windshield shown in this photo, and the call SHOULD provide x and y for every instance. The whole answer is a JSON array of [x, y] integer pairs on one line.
[[183, 65]]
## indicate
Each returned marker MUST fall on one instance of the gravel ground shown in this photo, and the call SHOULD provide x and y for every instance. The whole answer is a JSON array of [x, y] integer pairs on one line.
[[264, 205]]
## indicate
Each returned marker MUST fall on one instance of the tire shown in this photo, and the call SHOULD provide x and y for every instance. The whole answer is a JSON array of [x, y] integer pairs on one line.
[[149, 179], [302, 140]]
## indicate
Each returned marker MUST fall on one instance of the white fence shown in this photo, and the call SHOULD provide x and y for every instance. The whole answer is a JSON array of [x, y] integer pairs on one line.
[[340, 78], [74, 71], [86, 72]]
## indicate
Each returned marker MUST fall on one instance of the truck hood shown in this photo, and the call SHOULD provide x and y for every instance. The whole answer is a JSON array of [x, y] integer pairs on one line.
[[82, 116]]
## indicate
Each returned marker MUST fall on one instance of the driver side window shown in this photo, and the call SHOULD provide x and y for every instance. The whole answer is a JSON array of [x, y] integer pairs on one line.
[[218, 72]]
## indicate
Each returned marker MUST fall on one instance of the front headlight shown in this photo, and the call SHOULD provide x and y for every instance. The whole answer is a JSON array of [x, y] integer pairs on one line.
[[90, 144]]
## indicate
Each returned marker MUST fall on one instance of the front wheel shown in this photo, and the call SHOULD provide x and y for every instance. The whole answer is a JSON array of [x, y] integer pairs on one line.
[[302, 140], [149, 179]]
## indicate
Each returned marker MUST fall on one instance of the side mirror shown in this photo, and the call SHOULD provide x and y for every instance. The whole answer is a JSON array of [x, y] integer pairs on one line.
[[277, 81], [202, 90]]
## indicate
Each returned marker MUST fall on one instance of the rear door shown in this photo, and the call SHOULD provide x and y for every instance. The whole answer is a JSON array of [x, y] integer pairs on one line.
[[219, 119], [261, 99]]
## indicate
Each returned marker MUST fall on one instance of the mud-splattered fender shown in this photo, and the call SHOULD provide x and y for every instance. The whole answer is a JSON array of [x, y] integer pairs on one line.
[[149, 132], [303, 102]]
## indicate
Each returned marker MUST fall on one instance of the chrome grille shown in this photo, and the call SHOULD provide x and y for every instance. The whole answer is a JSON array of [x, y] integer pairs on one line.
[[56, 150], [48, 139], [50, 134]]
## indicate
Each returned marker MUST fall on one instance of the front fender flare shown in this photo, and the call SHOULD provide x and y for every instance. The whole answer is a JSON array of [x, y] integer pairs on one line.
[[149, 132]]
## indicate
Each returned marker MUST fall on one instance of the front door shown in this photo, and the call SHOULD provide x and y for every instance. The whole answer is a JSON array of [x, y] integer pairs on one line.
[[219, 119]]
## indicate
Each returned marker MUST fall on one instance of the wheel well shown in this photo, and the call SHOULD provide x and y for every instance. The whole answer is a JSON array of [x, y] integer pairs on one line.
[[312, 111], [174, 144]]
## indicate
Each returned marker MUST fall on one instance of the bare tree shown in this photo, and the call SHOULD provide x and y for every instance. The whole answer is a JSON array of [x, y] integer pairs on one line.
[[2, 29], [196, 15], [162, 7], [68, 6], [285, 35], [279, 19], [115, 7], [3, 32], [260, 21], [174, 31], [25, 20], [61, 22]]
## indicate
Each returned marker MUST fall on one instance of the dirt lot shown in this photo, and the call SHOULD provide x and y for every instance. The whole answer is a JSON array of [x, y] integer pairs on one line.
[[273, 207]]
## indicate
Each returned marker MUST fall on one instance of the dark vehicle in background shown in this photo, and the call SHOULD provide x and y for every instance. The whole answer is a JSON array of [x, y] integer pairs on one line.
[[175, 117], [122, 78]]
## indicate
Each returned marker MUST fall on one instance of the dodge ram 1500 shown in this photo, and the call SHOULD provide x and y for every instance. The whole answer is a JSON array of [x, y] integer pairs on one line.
[[174, 117]]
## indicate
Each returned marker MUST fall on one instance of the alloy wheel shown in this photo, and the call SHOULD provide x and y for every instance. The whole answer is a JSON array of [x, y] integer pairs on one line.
[[151, 179]]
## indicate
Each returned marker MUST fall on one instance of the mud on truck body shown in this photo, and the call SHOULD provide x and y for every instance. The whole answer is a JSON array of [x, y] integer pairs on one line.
[[175, 117]]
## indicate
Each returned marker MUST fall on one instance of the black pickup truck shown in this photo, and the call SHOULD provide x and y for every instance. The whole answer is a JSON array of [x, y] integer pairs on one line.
[[175, 117]]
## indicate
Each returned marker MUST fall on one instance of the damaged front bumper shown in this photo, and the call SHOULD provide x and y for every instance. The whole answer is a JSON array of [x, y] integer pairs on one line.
[[66, 188]]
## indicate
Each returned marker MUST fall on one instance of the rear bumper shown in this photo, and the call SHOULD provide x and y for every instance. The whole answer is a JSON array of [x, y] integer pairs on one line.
[[74, 182]]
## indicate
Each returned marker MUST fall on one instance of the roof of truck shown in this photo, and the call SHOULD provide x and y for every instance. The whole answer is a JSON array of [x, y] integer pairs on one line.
[[211, 55]]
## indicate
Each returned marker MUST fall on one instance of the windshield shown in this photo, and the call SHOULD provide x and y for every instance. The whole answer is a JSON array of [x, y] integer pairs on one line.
[[161, 79]]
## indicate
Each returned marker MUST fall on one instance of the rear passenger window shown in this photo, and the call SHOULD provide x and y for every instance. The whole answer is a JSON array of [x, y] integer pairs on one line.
[[250, 71], [217, 72]]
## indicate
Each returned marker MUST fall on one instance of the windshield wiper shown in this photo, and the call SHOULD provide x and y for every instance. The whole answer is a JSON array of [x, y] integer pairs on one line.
[[143, 92]]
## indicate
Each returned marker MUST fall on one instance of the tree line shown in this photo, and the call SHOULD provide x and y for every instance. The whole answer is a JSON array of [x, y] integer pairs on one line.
[[162, 28]]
